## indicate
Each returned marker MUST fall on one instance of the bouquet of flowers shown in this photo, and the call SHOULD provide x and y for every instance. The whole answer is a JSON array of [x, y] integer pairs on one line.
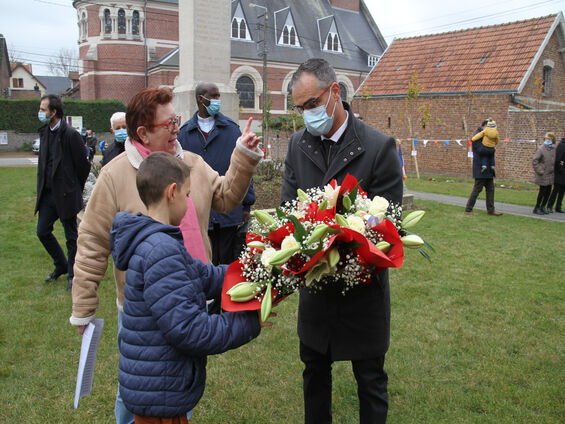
[[335, 235]]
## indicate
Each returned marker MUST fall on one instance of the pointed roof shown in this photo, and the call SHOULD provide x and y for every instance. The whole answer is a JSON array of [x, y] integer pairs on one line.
[[492, 58]]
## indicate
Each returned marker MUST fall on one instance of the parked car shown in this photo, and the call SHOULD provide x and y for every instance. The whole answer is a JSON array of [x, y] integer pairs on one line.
[[35, 146]]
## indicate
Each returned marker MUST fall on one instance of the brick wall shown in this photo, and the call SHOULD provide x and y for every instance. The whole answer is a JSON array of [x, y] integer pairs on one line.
[[513, 157]]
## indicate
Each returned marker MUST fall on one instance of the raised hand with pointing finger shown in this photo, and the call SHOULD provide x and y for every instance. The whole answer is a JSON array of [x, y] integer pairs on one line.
[[248, 138]]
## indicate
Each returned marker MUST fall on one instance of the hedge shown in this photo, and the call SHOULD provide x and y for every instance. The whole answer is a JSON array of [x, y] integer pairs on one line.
[[20, 115]]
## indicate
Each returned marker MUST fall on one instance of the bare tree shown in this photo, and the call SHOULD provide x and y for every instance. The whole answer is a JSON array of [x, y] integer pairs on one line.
[[64, 62], [13, 54]]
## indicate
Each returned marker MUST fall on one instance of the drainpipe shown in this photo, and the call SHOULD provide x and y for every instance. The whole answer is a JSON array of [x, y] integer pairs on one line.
[[145, 38]]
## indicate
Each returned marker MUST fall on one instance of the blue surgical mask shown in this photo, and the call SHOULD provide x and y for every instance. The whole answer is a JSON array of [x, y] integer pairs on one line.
[[317, 120], [121, 134], [548, 143], [214, 107], [42, 116]]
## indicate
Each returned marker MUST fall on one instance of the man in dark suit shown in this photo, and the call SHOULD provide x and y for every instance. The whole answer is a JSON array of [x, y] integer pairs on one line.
[[482, 179], [331, 326], [62, 170]]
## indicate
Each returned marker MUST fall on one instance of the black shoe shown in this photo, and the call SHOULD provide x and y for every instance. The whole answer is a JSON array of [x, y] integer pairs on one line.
[[69, 283], [549, 210], [545, 211], [538, 211], [54, 275]]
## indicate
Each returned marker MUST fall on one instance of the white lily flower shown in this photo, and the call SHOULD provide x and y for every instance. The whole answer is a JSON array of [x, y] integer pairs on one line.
[[331, 194]]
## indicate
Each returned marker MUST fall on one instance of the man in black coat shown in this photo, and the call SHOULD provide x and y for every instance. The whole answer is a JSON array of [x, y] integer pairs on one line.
[[119, 129], [62, 170], [331, 326], [482, 179]]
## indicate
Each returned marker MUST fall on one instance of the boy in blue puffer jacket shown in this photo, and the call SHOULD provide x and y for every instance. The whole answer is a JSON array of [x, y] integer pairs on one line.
[[167, 332]]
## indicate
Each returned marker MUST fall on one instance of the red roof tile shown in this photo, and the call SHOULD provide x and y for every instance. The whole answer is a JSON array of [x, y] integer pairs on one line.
[[451, 61]]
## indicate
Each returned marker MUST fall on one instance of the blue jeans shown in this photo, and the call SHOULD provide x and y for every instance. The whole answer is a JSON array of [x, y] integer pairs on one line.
[[123, 416]]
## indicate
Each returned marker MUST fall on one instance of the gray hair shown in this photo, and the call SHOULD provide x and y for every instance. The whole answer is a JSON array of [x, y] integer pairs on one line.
[[320, 68], [116, 116]]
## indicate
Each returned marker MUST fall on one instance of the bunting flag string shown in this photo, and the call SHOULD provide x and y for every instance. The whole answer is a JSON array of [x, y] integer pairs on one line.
[[458, 141]]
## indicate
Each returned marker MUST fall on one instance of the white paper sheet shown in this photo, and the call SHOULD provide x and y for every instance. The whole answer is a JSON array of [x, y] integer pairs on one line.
[[89, 346]]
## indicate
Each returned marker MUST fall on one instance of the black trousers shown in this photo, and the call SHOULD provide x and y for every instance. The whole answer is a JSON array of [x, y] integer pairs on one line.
[[317, 385], [543, 196], [227, 244], [488, 184], [47, 215], [557, 192]]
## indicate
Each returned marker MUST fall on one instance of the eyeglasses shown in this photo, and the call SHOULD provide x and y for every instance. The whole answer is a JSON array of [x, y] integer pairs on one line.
[[311, 103], [170, 124]]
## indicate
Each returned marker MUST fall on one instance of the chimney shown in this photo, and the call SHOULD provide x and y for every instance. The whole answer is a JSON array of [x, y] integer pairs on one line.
[[346, 4]]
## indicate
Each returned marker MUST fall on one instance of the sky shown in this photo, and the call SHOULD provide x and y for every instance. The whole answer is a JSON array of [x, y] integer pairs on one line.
[[38, 29]]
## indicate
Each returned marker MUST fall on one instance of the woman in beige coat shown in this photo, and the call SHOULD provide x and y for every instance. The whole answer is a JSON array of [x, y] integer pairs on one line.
[[152, 126], [544, 163]]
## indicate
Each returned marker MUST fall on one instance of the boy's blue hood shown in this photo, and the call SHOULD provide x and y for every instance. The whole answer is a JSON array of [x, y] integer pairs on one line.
[[129, 230]]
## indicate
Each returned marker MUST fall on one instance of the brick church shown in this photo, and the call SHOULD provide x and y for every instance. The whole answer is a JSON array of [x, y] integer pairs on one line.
[[125, 46]]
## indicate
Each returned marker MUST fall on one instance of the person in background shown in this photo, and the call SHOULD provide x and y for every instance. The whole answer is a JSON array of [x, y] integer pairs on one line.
[[489, 139], [91, 142], [167, 332], [213, 135], [556, 196], [334, 327], [482, 179], [62, 170], [544, 169], [119, 129], [152, 125]]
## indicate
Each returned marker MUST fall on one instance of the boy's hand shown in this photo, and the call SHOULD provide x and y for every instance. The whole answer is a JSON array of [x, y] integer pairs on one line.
[[265, 323]]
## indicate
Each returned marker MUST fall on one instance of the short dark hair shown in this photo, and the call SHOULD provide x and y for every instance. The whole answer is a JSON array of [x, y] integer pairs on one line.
[[55, 103], [320, 68], [156, 172], [142, 108]]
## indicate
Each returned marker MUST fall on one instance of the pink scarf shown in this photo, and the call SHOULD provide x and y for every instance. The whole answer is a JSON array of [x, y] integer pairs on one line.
[[189, 225]]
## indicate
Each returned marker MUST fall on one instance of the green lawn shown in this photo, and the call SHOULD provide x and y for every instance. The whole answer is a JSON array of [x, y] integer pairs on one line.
[[505, 191], [478, 335]]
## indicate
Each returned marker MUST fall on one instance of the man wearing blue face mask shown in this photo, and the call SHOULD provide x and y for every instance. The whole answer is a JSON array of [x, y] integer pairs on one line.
[[118, 128], [213, 135], [334, 327], [62, 170]]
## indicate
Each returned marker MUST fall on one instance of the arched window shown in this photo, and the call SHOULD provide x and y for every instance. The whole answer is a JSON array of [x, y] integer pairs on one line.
[[135, 23], [285, 35], [292, 36], [234, 29], [242, 33], [336, 43], [121, 21], [289, 99], [330, 42], [342, 91], [107, 22], [246, 91]]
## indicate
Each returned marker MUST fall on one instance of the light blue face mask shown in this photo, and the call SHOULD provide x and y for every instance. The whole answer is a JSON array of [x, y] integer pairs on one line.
[[214, 107], [548, 143], [121, 135], [317, 120], [42, 116]]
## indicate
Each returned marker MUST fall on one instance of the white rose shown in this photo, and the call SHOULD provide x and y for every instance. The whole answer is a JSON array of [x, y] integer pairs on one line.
[[378, 206], [266, 256], [289, 242], [356, 223], [331, 194]]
